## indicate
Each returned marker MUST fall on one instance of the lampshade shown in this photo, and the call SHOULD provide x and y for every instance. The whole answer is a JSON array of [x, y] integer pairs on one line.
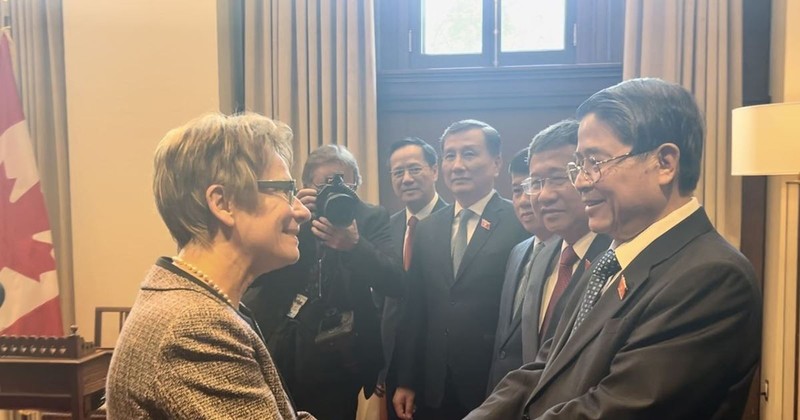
[[766, 140]]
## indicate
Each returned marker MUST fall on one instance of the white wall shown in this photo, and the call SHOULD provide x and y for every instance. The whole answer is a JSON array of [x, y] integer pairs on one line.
[[134, 69], [778, 362]]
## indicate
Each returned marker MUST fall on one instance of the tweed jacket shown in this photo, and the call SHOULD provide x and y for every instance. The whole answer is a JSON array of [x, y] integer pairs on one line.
[[185, 354]]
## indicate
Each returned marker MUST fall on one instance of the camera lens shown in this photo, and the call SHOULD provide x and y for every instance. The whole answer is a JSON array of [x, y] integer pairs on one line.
[[340, 209]]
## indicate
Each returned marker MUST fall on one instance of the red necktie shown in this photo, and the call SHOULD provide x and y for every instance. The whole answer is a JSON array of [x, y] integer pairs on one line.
[[568, 258], [412, 223]]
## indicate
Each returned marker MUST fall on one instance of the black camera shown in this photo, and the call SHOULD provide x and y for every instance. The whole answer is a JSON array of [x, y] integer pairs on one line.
[[336, 201]]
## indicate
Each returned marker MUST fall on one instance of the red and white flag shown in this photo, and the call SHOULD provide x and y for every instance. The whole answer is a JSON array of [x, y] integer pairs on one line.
[[27, 265]]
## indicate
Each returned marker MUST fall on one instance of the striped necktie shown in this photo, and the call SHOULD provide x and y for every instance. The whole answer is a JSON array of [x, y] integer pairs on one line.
[[568, 258]]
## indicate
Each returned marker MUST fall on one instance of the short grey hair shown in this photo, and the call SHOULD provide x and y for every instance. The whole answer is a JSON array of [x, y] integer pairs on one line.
[[330, 153], [213, 149]]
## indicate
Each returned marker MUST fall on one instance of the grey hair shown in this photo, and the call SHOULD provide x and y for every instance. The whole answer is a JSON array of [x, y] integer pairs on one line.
[[329, 153]]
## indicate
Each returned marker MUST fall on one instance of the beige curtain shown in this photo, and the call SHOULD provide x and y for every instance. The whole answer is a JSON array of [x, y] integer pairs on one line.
[[697, 44], [37, 29], [311, 64]]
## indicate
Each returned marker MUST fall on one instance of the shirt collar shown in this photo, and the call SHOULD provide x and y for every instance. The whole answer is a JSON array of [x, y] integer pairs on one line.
[[627, 251], [425, 211], [551, 239], [581, 246], [478, 206]]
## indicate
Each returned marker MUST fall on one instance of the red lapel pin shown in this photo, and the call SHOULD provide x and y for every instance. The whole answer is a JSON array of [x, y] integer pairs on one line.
[[486, 224], [622, 287]]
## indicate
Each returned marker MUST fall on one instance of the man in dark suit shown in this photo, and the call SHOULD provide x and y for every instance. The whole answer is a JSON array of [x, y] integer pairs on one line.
[[559, 205], [456, 275], [414, 169], [339, 267], [668, 324], [508, 345]]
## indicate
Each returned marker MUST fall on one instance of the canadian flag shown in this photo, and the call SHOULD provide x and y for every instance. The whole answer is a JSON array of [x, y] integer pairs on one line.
[[27, 267]]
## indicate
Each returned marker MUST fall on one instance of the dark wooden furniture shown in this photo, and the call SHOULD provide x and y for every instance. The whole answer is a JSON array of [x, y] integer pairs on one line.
[[121, 311], [69, 385]]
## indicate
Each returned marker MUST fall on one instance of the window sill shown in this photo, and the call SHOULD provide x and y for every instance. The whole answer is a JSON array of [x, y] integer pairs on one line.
[[503, 87]]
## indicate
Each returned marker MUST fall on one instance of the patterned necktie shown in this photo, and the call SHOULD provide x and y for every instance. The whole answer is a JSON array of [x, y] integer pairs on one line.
[[568, 258], [412, 223], [522, 285], [460, 243], [605, 268]]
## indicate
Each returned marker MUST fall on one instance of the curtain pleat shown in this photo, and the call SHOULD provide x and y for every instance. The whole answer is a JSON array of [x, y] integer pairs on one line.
[[37, 29], [697, 44], [311, 64]]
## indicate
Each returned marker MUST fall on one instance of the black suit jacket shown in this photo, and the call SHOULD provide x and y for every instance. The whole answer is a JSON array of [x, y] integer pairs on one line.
[[531, 307], [451, 317], [518, 340], [507, 349], [682, 343], [349, 276], [392, 307]]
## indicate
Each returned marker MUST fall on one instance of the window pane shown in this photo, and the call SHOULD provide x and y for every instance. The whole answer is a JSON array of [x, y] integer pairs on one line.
[[452, 27], [532, 25]]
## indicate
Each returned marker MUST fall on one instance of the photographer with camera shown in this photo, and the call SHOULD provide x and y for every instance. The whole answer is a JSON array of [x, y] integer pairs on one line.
[[318, 316]]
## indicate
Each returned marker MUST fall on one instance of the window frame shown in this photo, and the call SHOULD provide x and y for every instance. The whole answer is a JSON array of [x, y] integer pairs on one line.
[[490, 56]]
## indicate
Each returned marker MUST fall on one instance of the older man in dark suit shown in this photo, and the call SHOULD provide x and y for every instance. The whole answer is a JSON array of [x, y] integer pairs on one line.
[[455, 280], [562, 212], [668, 324], [563, 260], [414, 169]]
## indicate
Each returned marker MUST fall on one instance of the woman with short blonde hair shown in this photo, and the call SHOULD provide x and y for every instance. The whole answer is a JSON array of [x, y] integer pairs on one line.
[[189, 349]]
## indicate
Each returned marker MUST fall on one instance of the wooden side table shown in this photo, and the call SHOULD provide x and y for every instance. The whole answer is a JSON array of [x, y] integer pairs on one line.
[[70, 385]]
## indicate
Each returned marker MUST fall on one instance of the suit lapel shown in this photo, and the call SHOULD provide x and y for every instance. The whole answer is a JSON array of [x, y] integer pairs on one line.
[[511, 284], [599, 245], [609, 304], [531, 308], [487, 224], [440, 204]]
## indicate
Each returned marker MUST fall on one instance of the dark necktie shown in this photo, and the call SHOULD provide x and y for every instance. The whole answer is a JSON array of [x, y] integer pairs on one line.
[[568, 258], [460, 243], [605, 268], [407, 249], [522, 285]]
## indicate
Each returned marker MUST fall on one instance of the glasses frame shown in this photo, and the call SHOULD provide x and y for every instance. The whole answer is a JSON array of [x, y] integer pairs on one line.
[[287, 186], [596, 167], [400, 172], [527, 184]]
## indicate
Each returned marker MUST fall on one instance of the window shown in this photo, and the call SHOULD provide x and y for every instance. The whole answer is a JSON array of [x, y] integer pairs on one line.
[[491, 33]]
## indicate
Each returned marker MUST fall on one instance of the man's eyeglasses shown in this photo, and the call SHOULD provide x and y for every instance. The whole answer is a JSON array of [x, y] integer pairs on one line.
[[287, 188], [412, 170], [535, 186], [591, 168]]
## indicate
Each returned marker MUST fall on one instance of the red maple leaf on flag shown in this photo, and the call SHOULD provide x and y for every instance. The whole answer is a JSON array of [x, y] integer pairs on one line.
[[19, 222]]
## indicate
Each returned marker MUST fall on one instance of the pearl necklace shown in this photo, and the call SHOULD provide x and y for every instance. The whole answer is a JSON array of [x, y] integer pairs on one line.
[[202, 276]]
